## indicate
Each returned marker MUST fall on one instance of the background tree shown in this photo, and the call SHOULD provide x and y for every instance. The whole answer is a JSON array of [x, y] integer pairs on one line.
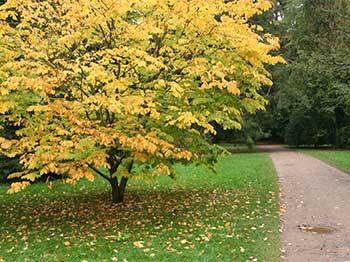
[[317, 87], [126, 88], [308, 103]]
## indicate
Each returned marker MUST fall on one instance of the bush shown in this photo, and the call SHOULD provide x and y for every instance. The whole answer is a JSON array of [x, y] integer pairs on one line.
[[250, 133], [250, 143], [309, 128], [343, 137]]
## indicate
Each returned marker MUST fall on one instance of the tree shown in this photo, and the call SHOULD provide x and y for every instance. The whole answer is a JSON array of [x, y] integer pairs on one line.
[[126, 88], [313, 88], [317, 81]]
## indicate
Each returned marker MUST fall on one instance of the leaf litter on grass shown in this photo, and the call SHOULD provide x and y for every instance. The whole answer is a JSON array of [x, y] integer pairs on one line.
[[212, 222], [189, 220]]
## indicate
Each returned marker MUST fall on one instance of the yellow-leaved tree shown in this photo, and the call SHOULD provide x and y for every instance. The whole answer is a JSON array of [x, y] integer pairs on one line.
[[123, 88]]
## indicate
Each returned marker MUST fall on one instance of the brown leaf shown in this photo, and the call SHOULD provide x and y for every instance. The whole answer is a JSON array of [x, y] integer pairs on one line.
[[138, 244]]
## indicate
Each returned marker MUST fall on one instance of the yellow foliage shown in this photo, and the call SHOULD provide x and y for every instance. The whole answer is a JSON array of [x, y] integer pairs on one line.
[[31, 176], [232, 88], [15, 175], [17, 186], [5, 106], [95, 84]]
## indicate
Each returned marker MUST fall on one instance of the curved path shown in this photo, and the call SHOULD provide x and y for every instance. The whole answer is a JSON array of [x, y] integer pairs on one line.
[[315, 197]]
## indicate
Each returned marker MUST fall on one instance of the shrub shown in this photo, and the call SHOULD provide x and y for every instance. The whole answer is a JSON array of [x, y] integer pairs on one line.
[[343, 137]]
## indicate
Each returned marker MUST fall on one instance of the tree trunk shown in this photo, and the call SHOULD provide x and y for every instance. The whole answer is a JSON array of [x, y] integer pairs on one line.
[[118, 190]]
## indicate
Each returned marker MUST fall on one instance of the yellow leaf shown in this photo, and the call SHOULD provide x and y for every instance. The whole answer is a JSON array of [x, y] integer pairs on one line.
[[176, 89], [233, 88], [5, 106], [15, 175], [6, 145], [30, 176], [17, 186]]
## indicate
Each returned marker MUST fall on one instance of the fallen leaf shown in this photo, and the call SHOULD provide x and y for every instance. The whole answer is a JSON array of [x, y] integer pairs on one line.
[[138, 244]]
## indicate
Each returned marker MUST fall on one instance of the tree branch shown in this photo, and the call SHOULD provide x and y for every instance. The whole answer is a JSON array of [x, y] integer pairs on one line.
[[100, 173], [130, 166]]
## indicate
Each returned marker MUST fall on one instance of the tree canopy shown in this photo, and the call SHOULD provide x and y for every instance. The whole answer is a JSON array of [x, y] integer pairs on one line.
[[313, 98], [309, 100], [126, 88]]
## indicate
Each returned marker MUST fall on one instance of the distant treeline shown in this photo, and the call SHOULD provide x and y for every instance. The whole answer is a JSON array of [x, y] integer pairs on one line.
[[309, 103]]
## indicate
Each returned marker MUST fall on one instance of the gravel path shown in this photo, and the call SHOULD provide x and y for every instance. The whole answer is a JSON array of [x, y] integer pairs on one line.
[[315, 197]]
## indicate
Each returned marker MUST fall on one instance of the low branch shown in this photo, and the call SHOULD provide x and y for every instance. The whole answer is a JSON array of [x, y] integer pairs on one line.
[[123, 183], [100, 173], [130, 166]]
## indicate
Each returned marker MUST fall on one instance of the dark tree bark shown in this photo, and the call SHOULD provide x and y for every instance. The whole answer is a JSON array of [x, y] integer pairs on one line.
[[118, 189]]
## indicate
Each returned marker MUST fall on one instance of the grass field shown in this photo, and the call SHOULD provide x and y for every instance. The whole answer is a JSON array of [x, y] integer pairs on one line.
[[336, 158], [199, 216]]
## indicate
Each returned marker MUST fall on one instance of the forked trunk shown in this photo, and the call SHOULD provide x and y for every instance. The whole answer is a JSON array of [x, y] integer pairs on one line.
[[118, 190]]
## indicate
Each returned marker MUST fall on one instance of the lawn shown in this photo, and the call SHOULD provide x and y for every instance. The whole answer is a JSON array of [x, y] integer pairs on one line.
[[336, 158], [199, 216]]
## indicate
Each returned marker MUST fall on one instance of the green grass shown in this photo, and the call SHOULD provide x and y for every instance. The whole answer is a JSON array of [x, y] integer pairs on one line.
[[336, 158], [199, 216]]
